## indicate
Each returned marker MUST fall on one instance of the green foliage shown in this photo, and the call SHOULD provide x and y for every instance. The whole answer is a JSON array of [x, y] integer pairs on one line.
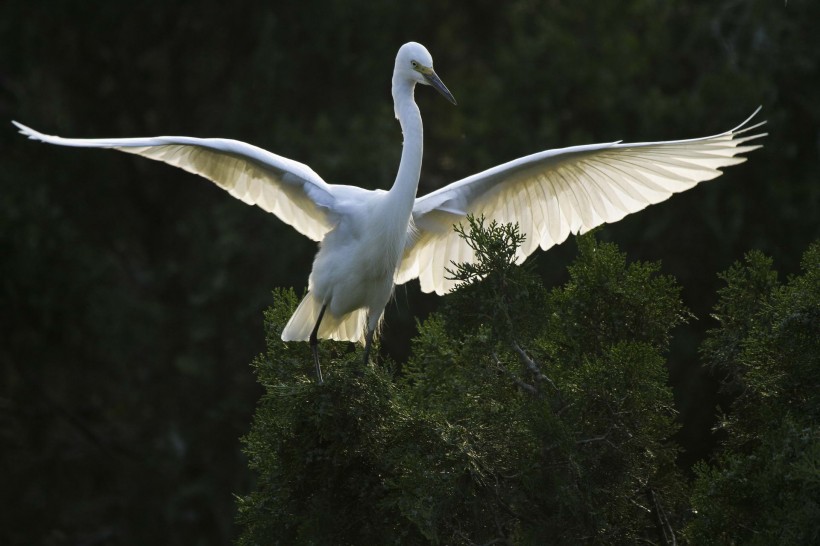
[[347, 462], [504, 294], [520, 417], [764, 486], [570, 397]]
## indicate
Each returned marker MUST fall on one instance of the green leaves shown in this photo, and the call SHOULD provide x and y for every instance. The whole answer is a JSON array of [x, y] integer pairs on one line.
[[523, 413], [528, 414], [764, 486]]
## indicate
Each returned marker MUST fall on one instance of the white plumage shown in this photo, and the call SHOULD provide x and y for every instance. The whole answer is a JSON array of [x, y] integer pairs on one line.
[[371, 240], [557, 192]]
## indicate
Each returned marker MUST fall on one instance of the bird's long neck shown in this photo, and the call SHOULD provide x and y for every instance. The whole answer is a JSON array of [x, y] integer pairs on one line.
[[403, 192]]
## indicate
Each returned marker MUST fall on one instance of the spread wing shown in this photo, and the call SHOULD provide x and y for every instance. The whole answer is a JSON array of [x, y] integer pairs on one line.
[[557, 192], [287, 188]]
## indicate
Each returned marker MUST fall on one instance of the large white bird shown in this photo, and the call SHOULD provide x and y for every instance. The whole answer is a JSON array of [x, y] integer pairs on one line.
[[372, 240]]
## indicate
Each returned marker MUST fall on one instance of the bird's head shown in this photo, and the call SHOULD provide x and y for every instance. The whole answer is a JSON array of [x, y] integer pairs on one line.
[[414, 63]]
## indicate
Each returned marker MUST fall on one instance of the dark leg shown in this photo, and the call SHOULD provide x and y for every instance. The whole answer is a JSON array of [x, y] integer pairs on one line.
[[368, 342], [314, 344]]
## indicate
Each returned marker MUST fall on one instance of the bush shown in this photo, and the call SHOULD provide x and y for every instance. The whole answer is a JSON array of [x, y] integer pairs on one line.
[[764, 485], [524, 416]]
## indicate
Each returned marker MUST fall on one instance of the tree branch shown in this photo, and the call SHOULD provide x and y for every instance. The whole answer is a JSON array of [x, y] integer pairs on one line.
[[518, 382], [531, 365]]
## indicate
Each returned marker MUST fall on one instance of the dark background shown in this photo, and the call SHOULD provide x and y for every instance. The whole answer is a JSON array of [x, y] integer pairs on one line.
[[132, 293]]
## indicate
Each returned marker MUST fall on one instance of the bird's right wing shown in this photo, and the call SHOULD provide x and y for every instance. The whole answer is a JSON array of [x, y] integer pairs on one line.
[[557, 192], [289, 189]]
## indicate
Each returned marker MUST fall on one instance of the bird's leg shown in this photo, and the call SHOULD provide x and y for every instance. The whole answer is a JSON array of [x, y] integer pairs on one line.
[[368, 342], [314, 344]]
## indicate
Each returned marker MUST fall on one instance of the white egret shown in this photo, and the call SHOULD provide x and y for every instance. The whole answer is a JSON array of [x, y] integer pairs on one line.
[[372, 240]]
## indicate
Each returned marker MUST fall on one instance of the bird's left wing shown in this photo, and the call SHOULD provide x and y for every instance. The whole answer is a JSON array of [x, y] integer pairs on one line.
[[289, 189], [557, 192]]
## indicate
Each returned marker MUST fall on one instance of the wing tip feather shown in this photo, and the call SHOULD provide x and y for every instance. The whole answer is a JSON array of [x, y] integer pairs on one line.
[[28, 131], [742, 127]]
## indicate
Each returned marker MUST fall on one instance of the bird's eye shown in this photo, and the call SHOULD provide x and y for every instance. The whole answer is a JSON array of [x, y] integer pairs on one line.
[[414, 64]]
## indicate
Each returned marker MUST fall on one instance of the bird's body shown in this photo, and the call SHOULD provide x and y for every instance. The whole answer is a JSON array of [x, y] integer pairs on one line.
[[372, 240], [352, 274], [354, 271]]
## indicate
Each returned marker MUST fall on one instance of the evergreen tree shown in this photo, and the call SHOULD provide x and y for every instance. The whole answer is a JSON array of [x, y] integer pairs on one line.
[[764, 486], [524, 416]]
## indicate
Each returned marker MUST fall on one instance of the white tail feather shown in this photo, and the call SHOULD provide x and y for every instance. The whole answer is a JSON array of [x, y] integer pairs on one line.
[[349, 327]]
